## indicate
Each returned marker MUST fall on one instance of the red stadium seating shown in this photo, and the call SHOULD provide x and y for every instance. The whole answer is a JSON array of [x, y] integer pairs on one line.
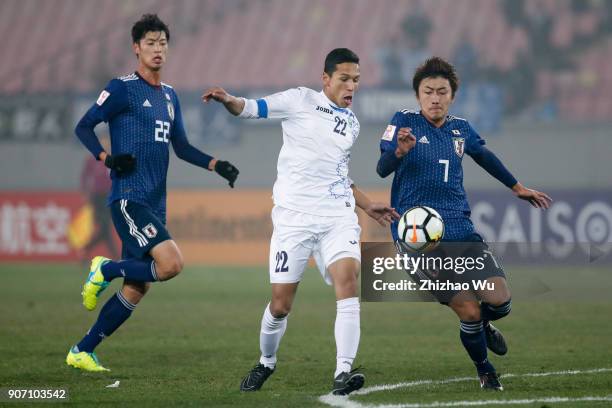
[[72, 45]]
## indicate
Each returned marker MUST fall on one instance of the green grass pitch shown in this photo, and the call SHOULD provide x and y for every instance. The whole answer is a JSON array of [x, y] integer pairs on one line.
[[193, 338]]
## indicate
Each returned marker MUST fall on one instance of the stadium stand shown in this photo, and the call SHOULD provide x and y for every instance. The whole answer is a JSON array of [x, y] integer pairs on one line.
[[560, 48]]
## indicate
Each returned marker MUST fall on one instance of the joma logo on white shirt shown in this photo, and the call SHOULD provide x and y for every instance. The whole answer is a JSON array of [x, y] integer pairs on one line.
[[326, 110]]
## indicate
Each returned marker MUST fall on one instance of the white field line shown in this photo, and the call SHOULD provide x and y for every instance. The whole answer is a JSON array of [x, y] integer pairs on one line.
[[385, 387], [338, 401], [344, 402]]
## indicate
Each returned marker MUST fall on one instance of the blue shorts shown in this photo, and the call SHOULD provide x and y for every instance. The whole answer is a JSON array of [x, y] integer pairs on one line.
[[458, 229], [139, 229], [469, 246]]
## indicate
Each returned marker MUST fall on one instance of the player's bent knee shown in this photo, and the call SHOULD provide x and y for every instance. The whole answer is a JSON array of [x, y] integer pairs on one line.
[[168, 260], [345, 280], [169, 270], [346, 290], [500, 295], [471, 315], [467, 311], [280, 311], [499, 299], [497, 311]]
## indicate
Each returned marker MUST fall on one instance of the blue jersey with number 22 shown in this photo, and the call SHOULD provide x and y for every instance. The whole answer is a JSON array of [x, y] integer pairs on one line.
[[142, 119]]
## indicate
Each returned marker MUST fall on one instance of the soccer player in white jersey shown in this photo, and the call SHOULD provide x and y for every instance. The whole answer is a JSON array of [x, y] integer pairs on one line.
[[314, 208]]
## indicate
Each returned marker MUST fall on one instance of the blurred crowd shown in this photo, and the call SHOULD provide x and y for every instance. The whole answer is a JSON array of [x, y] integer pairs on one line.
[[548, 58], [557, 35]]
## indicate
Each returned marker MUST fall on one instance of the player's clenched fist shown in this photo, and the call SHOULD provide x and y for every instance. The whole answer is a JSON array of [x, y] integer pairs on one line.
[[121, 163], [405, 141], [227, 170]]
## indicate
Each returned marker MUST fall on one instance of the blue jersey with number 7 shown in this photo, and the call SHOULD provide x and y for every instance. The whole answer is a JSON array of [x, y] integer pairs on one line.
[[431, 174], [143, 119]]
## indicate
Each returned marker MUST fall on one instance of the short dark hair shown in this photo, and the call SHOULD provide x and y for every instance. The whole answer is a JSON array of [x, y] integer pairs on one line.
[[436, 67], [147, 23], [339, 56]]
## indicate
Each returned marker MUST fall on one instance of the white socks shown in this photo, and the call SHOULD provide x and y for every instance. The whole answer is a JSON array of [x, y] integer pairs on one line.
[[347, 332], [272, 330]]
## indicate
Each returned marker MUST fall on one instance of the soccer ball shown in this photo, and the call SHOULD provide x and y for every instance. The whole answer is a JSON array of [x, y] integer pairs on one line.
[[420, 229]]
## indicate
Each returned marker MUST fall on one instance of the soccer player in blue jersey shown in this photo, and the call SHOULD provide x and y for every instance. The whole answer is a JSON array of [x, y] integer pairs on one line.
[[144, 117], [425, 149]]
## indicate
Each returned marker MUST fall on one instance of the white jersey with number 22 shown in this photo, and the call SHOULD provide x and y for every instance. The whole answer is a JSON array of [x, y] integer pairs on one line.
[[313, 161]]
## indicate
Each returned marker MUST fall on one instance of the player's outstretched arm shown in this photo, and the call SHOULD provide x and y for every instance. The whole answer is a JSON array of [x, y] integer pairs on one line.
[[233, 104], [382, 213], [281, 105], [491, 163], [186, 151]]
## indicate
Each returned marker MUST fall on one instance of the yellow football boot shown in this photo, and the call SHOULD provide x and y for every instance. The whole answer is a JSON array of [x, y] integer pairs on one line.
[[95, 283], [84, 361]]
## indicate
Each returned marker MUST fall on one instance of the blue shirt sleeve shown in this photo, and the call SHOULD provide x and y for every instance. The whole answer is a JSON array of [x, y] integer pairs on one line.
[[474, 143], [487, 159], [112, 101], [183, 149], [388, 161]]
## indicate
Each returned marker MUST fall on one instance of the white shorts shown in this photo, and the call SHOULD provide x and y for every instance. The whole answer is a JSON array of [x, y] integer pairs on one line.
[[298, 235]]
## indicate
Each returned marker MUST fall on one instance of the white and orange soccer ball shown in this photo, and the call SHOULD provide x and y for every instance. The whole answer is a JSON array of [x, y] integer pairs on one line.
[[420, 229]]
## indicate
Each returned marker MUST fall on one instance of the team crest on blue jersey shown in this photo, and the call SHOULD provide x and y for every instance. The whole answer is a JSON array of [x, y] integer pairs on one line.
[[459, 144], [171, 110], [150, 230]]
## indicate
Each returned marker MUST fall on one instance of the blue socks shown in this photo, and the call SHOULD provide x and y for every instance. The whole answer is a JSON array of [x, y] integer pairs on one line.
[[116, 311], [473, 338], [473, 334], [490, 312], [133, 269]]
